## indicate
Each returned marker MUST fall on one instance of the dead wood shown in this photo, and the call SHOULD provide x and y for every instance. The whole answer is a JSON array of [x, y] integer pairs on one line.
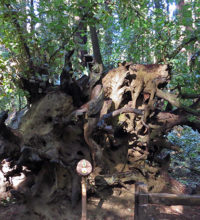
[[171, 199], [120, 126]]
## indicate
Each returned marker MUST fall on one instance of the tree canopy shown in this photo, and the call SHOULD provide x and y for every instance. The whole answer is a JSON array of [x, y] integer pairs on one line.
[[35, 36]]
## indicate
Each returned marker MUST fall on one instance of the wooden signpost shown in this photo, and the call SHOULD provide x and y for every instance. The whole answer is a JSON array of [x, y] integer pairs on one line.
[[84, 168]]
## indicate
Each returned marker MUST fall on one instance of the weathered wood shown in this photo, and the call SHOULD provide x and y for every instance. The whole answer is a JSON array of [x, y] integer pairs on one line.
[[126, 109], [143, 198], [140, 202], [84, 199], [84, 168], [170, 199], [119, 178]]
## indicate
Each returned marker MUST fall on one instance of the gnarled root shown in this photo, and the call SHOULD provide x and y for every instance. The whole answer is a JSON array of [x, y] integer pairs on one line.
[[95, 149]]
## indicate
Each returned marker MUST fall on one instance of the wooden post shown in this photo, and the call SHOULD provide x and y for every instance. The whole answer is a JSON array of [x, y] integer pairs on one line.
[[84, 199], [84, 168], [141, 201]]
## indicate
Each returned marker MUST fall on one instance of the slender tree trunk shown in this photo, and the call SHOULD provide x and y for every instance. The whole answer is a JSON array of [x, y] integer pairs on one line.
[[95, 45], [23, 10], [158, 4], [181, 14], [81, 39], [167, 8], [32, 15], [108, 34], [188, 27]]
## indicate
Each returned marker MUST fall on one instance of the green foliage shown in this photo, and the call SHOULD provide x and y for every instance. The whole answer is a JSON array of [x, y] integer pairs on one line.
[[188, 160], [139, 31], [189, 141], [11, 96]]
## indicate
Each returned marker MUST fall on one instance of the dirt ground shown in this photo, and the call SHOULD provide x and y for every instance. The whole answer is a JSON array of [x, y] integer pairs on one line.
[[112, 205]]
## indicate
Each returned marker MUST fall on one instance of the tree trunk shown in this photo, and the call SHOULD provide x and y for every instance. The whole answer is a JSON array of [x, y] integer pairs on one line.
[[32, 15], [108, 35], [95, 45], [81, 39]]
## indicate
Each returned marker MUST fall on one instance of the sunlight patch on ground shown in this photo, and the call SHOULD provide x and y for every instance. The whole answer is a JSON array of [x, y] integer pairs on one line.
[[14, 181], [176, 209]]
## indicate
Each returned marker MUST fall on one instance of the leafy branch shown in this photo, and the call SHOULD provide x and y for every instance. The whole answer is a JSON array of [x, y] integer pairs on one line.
[[12, 14], [184, 43], [173, 99]]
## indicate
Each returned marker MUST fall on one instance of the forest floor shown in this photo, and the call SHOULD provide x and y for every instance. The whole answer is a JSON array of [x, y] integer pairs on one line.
[[120, 206], [113, 205]]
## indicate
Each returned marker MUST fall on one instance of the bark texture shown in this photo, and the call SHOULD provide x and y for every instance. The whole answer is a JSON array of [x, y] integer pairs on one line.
[[120, 129]]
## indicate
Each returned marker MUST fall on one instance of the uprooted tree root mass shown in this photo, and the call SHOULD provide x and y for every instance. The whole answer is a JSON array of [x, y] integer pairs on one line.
[[120, 129]]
